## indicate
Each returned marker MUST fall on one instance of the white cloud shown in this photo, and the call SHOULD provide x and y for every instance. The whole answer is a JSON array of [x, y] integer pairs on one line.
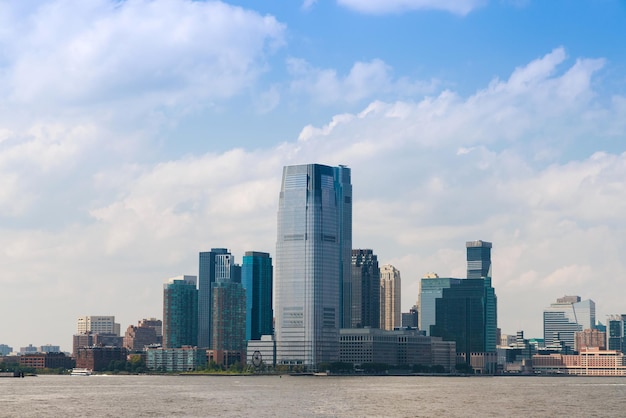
[[308, 4], [163, 52], [461, 7], [364, 81]]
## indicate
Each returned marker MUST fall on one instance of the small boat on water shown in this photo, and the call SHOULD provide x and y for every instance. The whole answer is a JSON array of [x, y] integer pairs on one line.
[[81, 372]]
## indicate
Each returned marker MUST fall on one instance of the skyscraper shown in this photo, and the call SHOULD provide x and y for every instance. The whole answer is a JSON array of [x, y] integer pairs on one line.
[[561, 320], [256, 278], [211, 266], [180, 312], [314, 243], [478, 259], [364, 290], [467, 314], [467, 311], [228, 304], [228, 331], [390, 297], [431, 289]]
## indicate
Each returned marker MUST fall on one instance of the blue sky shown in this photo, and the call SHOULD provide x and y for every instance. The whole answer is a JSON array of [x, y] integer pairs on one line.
[[134, 134]]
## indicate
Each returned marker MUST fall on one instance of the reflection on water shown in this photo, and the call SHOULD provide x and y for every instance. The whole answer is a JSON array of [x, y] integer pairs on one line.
[[289, 396]]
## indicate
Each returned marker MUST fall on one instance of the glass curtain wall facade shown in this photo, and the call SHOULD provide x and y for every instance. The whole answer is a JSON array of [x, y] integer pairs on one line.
[[364, 290], [210, 267], [467, 314], [256, 277], [561, 320], [478, 259], [180, 312], [431, 289], [314, 243]]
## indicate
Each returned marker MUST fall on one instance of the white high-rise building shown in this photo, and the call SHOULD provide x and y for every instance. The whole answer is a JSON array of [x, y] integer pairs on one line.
[[313, 262], [561, 320], [97, 325], [390, 298]]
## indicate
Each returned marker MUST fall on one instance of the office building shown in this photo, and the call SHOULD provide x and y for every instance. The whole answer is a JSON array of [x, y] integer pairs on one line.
[[431, 289], [257, 280], [467, 311], [616, 333], [478, 259], [212, 264], [180, 312], [5, 350], [400, 347], [390, 298], [410, 319], [97, 325], [467, 314], [565, 317], [314, 243], [363, 290]]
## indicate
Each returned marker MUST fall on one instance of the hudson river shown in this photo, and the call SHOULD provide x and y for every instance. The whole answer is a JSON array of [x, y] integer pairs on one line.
[[311, 396]]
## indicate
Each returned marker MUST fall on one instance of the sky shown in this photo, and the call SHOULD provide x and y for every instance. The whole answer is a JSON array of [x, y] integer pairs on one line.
[[135, 134]]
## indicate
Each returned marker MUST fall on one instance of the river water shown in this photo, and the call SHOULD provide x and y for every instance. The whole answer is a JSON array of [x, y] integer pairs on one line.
[[311, 396]]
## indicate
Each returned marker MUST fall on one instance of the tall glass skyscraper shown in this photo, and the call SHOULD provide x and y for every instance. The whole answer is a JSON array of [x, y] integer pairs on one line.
[[431, 289], [180, 312], [214, 265], [478, 259], [467, 311], [364, 291], [256, 277], [467, 314], [313, 248]]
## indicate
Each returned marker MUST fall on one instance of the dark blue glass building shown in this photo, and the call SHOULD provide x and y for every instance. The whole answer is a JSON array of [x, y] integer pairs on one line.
[[478, 259], [256, 278]]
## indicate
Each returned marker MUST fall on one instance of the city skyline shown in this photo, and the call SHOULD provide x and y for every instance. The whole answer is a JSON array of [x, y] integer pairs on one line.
[[121, 158]]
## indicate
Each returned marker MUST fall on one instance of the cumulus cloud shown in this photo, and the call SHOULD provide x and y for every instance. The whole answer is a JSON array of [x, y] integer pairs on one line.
[[364, 80], [172, 53], [461, 7]]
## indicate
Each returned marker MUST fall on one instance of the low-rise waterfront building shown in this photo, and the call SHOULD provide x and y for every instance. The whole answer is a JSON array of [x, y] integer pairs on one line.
[[401, 347], [180, 359], [588, 362], [98, 358], [52, 360], [262, 352]]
